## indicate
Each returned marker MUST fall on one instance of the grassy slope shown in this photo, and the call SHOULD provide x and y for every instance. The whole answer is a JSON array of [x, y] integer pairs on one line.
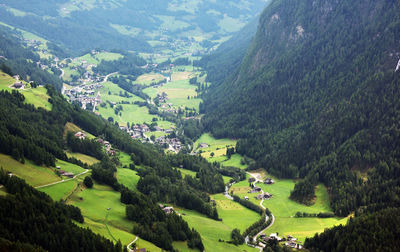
[[35, 175], [84, 158], [128, 178], [61, 190], [147, 79], [211, 231], [70, 127], [65, 166], [36, 96], [284, 209]]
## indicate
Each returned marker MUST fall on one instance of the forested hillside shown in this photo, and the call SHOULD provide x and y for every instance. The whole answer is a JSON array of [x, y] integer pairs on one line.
[[228, 56], [16, 59], [316, 97], [128, 25]]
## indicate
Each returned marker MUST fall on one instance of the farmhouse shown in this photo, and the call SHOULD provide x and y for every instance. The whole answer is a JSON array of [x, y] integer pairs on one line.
[[269, 181], [203, 145], [18, 85], [168, 210], [67, 174], [264, 196], [256, 189], [251, 180], [275, 236], [80, 135]]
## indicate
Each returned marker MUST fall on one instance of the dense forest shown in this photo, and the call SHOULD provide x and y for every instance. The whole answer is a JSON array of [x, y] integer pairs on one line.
[[317, 98], [372, 232]]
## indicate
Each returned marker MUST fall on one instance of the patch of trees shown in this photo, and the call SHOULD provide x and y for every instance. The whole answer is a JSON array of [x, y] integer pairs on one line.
[[380, 229], [259, 225], [237, 174], [248, 204], [319, 116], [207, 179], [128, 86], [182, 62], [86, 146], [236, 237], [28, 216], [128, 65], [319, 215]]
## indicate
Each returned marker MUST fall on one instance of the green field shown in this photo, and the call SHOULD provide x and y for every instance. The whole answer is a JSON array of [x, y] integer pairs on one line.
[[33, 174], [285, 209], [61, 190], [147, 79], [65, 166], [214, 143], [211, 230], [234, 161], [36, 96], [128, 178], [84, 158], [94, 203]]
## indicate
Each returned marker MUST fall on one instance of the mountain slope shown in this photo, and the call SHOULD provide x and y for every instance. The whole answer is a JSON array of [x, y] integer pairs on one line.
[[119, 24], [316, 97]]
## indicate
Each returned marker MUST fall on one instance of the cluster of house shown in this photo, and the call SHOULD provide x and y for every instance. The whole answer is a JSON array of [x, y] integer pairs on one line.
[[83, 94], [290, 241], [64, 173], [108, 146], [162, 98], [166, 209], [261, 196], [174, 144], [136, 131]]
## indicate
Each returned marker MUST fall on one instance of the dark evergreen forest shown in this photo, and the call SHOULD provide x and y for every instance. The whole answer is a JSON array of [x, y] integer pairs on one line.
[[317, 98]]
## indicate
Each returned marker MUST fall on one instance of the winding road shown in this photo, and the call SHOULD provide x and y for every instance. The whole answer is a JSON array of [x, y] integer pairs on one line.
[[261, 246], [129, 245]]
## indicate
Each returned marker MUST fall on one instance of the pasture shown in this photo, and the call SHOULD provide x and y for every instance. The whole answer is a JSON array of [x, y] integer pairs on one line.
[[128, 178], [147, 79], [111, 223], [60, 191], [212, 231], [33, 174], [65, 166], [234, 161], [35, 96], [284, 209], [82, 157]]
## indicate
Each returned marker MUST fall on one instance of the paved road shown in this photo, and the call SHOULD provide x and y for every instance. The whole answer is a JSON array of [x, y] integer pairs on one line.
[[62, 181], [129, 245], [256, 176], [108, 75]]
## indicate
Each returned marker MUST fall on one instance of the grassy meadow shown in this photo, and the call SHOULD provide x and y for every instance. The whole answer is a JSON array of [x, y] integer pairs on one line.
[[82, 157], [33, 174], [284, 209], [61, 190], [35, 96]]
